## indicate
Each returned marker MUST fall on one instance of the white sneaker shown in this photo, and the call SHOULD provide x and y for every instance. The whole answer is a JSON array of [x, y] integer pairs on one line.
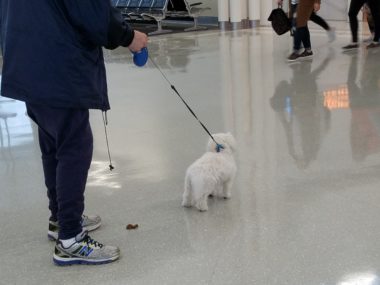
[[351, 46], [369, 39], [331, 34], [85, 250], [89, 223]]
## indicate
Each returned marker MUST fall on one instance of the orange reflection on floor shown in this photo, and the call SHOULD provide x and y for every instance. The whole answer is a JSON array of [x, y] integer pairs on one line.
[[336, 98]]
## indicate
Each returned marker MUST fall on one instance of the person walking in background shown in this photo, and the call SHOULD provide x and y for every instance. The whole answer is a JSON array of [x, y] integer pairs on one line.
[[314, 17], [53, 61], [369, 19], [302, 35], [354, 9]]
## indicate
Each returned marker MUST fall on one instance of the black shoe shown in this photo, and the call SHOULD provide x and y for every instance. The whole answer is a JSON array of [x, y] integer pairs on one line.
[[351, 46], [294, 56], [306, 54], [373, 45]]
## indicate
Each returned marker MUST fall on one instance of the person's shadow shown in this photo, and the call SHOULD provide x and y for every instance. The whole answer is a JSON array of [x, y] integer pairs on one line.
[[305, 119], [364, 102]]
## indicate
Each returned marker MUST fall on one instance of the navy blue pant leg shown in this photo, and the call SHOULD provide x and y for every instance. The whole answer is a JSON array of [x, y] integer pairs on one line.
[[66, 144], [49, 163], [302, 34]]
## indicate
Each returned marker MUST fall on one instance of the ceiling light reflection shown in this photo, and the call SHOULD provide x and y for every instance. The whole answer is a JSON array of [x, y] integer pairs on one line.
[[100, 176], [15, 125], [337, 98], [364, 278]]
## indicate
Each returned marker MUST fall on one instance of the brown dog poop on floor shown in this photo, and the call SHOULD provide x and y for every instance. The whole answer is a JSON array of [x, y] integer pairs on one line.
[[132, 226]]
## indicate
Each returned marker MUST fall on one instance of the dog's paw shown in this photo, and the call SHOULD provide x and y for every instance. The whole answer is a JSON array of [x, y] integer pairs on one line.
[[227, 196], [202, 208]]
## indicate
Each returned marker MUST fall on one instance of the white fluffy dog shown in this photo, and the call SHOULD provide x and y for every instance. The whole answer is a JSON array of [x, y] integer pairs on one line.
[[211, 174]]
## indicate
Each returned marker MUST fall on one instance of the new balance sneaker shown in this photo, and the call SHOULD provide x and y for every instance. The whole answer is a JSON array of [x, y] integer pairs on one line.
[[89, 223], [373, 45], [84, 250], [351, 46], [307, 53]]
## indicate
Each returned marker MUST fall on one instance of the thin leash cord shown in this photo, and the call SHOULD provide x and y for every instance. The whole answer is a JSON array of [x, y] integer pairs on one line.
[[105, 123], [188, 107]]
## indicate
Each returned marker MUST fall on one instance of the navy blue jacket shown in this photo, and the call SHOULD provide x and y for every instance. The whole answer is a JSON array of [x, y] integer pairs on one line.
[[52, 50]]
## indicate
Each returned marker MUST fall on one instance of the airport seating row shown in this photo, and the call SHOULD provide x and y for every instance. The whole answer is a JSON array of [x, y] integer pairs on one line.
[[159, 10]]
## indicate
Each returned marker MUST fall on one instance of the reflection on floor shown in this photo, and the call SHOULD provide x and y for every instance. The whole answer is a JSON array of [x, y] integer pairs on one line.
[[305, 205]]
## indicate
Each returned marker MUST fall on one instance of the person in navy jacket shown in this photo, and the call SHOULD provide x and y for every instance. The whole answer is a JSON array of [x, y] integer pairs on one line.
[[53, 61]]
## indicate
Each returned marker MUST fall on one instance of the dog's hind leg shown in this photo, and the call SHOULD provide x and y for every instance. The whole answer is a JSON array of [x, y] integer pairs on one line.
[[218, 190], [200, 194], [186, 198], [227, 189]]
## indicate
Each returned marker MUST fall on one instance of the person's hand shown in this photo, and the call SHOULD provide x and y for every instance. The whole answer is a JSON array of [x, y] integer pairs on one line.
[[139, 41], [317, 6]]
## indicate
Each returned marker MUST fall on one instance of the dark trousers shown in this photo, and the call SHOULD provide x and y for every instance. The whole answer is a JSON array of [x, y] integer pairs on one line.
[[355, 7], [301, 34], [66, 144]]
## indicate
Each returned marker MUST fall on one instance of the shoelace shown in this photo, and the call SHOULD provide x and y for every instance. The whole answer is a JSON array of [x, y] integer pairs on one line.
[[90, 241]]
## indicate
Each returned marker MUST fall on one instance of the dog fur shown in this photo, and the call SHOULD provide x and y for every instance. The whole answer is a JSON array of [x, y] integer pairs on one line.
[[211, 174]]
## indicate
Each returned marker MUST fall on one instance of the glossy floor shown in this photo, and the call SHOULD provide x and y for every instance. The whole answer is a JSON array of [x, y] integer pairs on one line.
[[305, 208]]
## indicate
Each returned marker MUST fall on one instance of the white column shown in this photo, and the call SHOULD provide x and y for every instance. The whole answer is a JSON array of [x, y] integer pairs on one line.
[[253, 11], [244, 9], [223, 10], [265, 9], [235, 13]]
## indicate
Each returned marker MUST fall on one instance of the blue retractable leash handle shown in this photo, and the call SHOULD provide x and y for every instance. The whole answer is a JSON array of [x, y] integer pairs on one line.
[[140, 58]]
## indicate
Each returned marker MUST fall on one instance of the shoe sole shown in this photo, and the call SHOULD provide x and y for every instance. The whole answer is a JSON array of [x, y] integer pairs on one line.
[[292, 60], [300, 58], [53, 236], [350, 49], [372, 47], [73, 261], [306, 57]]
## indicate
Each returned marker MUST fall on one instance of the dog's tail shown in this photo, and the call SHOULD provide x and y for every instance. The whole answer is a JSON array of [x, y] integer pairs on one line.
[[187, 197]]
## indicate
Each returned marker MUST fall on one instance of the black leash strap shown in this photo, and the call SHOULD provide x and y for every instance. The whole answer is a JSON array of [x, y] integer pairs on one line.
[[218, 146]]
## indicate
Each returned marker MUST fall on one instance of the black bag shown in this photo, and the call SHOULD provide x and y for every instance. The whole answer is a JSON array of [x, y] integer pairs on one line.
[[280, 21]]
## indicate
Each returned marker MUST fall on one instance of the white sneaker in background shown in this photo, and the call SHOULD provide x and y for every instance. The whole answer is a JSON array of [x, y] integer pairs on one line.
[[89, 223], [331, 34], [369, 39]]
